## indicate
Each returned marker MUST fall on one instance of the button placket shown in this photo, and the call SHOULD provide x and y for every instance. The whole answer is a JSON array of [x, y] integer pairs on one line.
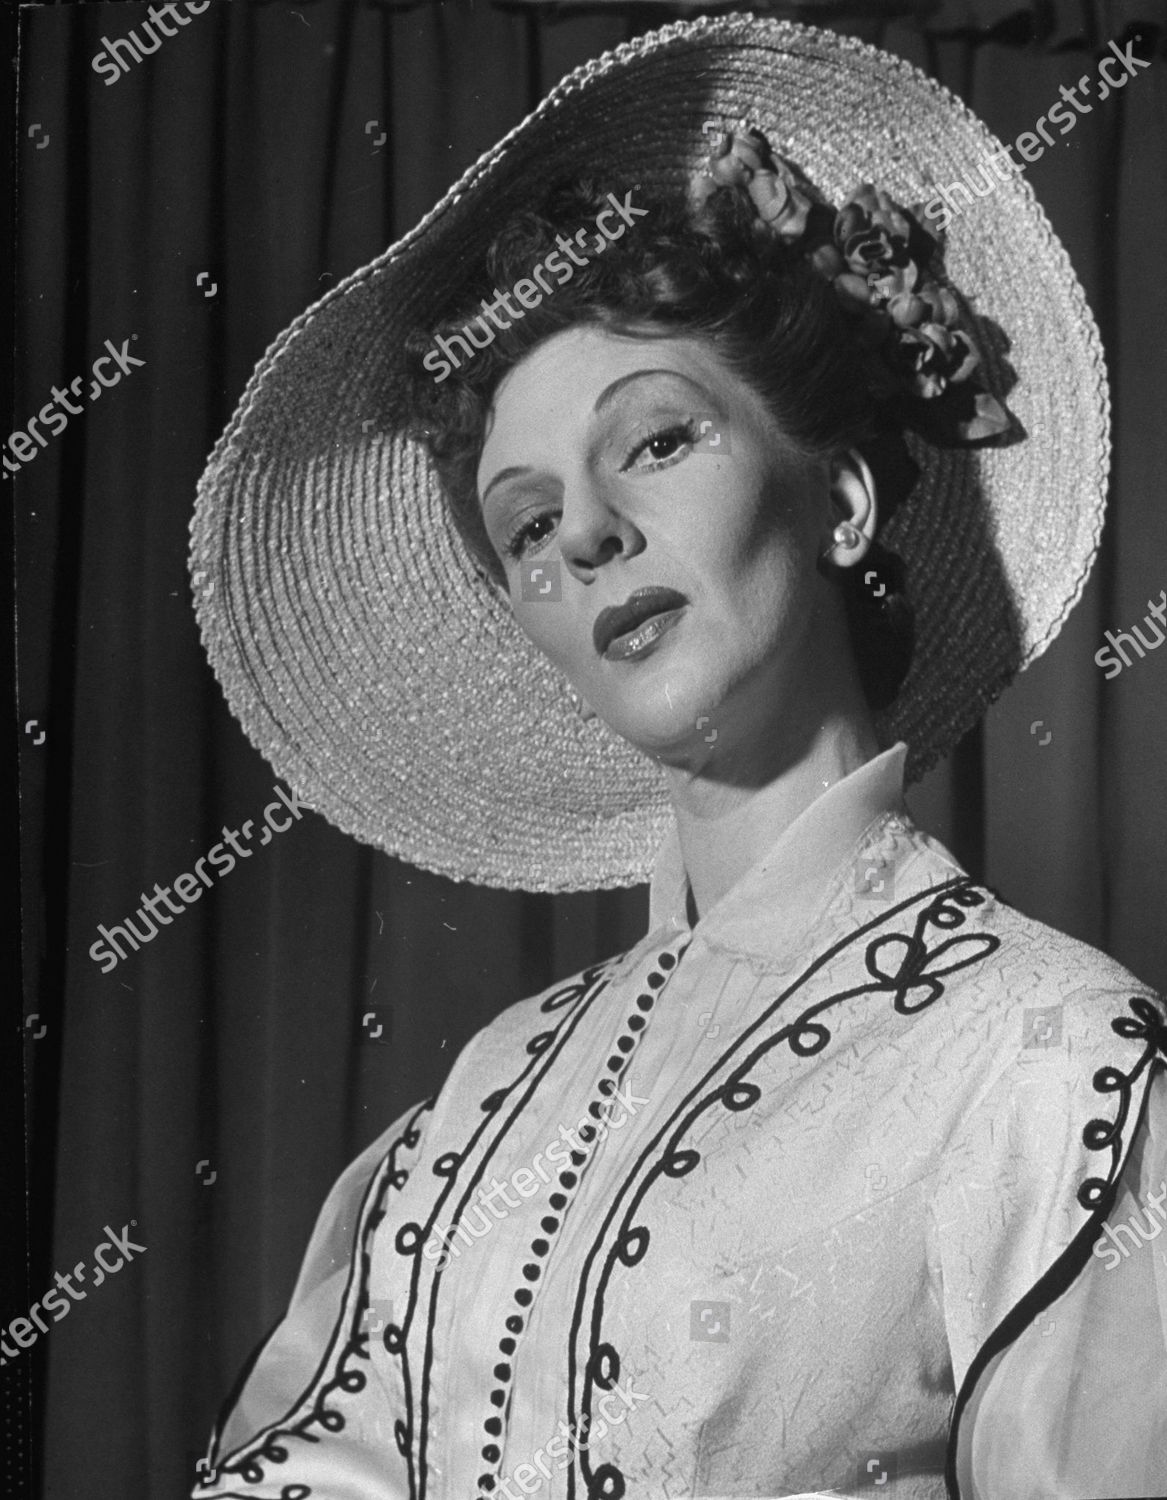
[[559, 1200]]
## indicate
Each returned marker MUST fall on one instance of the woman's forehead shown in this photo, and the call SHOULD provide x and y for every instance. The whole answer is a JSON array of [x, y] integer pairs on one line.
[[579, 374]]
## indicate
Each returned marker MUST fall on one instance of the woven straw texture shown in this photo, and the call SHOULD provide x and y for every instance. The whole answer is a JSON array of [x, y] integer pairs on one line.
[[392, 689]]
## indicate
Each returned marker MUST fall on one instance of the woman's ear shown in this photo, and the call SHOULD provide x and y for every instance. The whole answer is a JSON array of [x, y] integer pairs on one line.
[[854, 509], [854, 512]]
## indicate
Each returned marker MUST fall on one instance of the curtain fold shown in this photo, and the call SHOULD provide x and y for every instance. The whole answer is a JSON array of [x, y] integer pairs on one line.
[[208, 1090]]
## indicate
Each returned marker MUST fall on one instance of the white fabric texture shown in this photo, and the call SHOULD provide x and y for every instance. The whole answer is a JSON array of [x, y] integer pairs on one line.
[[851, 1180]]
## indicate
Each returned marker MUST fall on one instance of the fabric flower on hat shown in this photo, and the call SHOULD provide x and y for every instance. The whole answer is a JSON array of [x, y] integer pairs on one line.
[[877, 242], [737, 160], [886, 270], [931, 356]]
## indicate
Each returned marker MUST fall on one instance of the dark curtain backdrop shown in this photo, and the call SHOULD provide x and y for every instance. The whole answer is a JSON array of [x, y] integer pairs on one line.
[[242, 1039]]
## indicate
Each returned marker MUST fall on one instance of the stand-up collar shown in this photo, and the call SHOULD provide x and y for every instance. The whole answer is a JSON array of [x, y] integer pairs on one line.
[[777, 897]]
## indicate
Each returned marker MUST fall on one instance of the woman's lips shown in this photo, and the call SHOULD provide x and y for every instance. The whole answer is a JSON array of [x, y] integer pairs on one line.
[[634, 627], [640, 642]]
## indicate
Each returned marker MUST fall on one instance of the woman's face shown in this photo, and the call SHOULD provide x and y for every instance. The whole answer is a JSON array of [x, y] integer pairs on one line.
[[679, 592]]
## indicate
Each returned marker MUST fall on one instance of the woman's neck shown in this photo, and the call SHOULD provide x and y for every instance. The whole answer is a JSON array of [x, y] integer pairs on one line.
[[725, 826]]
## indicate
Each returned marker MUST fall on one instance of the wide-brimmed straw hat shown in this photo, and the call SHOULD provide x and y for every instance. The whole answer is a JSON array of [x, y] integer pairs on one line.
[[388, 683]]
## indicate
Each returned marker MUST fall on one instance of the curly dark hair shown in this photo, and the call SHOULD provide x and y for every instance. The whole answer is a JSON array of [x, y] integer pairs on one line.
[[715, 273]]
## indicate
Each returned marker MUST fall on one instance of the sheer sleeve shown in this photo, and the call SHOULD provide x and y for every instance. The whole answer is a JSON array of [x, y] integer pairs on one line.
[[285, 1364], [1076, 1406], [1049, 1253]]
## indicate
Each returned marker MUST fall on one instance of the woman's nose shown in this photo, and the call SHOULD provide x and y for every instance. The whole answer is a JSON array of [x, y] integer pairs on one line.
[[594, 527]]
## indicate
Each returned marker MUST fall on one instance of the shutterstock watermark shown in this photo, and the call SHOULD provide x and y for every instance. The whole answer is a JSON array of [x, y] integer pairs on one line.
[[526, 291], [110, 60], [525, 1180], [21, 1330], [1156, 613], [1156, 1217], [530, 1476], [997, 167], [27, 441], [107, 951]]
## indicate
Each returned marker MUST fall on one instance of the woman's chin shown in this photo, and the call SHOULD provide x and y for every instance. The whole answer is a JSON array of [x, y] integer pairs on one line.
[[671, 739]]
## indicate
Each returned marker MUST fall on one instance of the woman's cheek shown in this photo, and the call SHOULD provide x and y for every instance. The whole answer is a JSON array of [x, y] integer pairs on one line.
[[546, 625]]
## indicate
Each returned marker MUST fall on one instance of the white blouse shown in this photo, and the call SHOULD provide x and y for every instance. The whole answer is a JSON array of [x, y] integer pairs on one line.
[[856, 1184]]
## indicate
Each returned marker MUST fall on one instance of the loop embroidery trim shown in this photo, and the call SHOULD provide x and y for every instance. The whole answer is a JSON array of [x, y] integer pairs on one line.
[[249, 1465], [900, 964], [1100, 1134]]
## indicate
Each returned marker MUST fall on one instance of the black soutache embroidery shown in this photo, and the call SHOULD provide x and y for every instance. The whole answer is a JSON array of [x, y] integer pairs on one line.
[[348, 1379], [1095, 1195], [412, 1432], [905, 966], [1149, 1025], [289, 1492], [566, 996], [497, 1417], [574, 991], [909, 966]]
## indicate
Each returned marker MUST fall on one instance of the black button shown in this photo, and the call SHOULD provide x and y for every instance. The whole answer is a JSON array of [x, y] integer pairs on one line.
[[568, 1179], [635, 1023], [491, 1454], [523, 1296], [515, 1323], [507, 1345], [624, 1043], [497, 1398], [645, 1002], [549, 1223], [493, 1425], [666, 960], [540, 1247], [502, 1372], [531, 1272], [557, 1200]]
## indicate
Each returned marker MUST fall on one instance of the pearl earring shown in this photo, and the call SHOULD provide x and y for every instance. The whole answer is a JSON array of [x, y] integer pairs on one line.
[[845, 535]]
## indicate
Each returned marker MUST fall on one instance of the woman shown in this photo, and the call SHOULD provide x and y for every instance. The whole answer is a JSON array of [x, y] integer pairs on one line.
[[822, 1186]]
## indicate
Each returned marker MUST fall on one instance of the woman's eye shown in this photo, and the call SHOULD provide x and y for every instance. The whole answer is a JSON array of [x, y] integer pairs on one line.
[[663, 447], [529, 534]]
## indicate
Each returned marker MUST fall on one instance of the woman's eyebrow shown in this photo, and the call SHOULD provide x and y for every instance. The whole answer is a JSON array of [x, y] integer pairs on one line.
[[609, 392], [503, 474]]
